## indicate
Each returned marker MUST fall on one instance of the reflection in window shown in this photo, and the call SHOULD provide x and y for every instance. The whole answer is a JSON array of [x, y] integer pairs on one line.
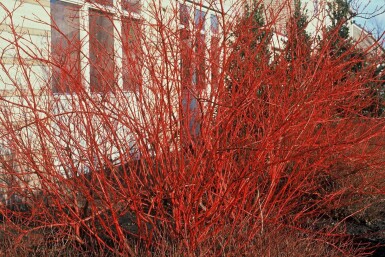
[[192, 46], [101, 30], [131, 5], [214, 26], [65, 47], [214, 50], [185, 46], [184, 15], [199, 19], [131, 68], [200, 48], [200, 62], [315, 6]]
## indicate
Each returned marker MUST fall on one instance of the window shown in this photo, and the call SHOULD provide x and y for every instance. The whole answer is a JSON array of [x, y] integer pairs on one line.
[[65, 47], [190, 110], [214, 50], [131, 5], [214, 25], [101, 51], [132, 54], [184, 16], [185, 47], [315, 2], [195, 57], [199, 19], [93, 43], [199, 77]]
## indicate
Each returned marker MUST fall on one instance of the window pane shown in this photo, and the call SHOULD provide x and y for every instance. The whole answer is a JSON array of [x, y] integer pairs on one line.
[[214, 60], [315, 6], [191, 117], [200, 54], [186, 55], [184, 15], [185, 47], [131, 5], [101, 51], [65, 47], [132, 72], [199, 19], [214, 23]]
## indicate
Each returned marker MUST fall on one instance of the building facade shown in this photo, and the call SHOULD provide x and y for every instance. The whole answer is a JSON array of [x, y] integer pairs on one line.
[[77, 77], [82, 80]]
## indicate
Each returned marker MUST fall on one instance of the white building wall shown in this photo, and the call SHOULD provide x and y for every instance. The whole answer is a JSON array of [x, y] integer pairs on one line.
[[25, 78]]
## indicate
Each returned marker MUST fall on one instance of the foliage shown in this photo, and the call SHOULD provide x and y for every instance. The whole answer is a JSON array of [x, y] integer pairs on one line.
[[297, 34], [256, 38], [284, 162], [339, 14], [344, 48]]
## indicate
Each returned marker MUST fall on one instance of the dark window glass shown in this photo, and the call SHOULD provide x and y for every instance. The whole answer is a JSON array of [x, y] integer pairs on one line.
[[186, 57], [131, 5], [200, 47], [199, 19], [214, 60], [102, 75], [65, 47], [214, 24], [214, 50], [132, 57], [200, 64], [185, 46], [316, 6], [184, 15], [190, 106]]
